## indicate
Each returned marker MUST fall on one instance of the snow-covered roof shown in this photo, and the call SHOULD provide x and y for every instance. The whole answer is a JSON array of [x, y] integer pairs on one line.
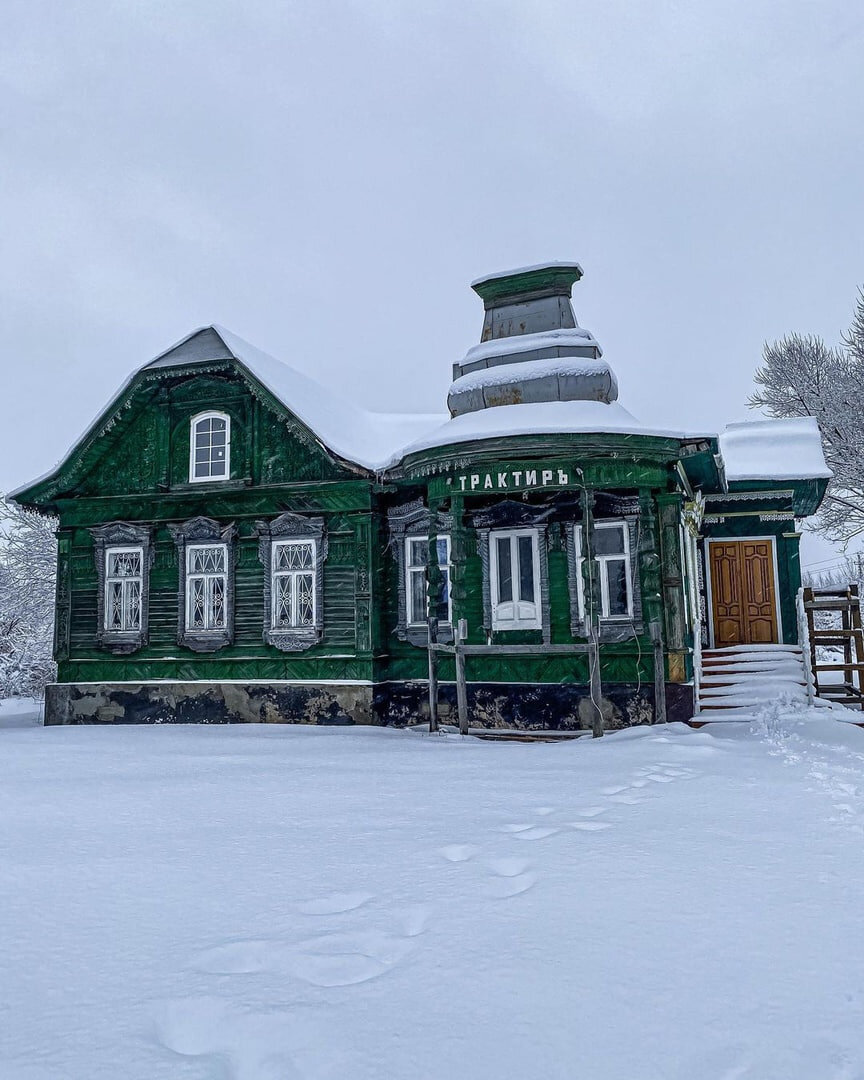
[[566, 264], [572, 366], [788, 449], [571, 337], [541, 418], [366, 438]]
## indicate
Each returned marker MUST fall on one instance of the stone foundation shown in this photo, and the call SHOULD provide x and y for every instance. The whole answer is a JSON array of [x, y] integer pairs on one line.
[[530, 707], [206, 703]]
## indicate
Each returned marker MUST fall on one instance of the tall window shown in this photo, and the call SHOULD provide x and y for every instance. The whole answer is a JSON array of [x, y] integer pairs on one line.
[[515, 566], [206, 586], [612, 557], [210, 447], [416, 560], [123, 587], [292, 594]]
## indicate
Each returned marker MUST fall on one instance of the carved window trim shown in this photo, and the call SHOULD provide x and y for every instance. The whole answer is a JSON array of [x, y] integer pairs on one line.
[[614, 627], [412, 521], [201, 531], [199, 418], [289, 526], [208, 578], [413, 568], [484, 550], [512, 538], [122, 534]]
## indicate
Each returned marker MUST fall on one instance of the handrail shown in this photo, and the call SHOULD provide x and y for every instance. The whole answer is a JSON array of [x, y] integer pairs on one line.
[[804, 642]]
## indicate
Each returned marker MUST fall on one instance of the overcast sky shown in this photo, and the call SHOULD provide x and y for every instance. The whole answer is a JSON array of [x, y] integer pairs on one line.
[[325, 179]]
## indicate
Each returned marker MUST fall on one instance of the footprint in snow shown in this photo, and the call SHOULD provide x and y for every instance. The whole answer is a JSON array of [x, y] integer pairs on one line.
[[232, 1043], [348, 959], [335, 903], [589, 826], [592, 811], [511, 877], [536, 832], [235, 958], [458, 852], [508, 868], [415, 920]]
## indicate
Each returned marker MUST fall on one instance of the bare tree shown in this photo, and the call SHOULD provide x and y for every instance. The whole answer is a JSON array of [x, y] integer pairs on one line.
[[28, 567], [802, 376]]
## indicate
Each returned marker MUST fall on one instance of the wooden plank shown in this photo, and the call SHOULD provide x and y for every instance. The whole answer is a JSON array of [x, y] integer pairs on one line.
[[516, 650], [461, 685], [596, 685], [433, 674], [660, 716]]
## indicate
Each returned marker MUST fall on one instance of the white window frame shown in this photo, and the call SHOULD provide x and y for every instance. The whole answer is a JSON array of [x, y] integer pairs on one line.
[[192, 576], [193, 430], [309, 571], [603, 560], [412, 568], [110, 579], [517, 621]]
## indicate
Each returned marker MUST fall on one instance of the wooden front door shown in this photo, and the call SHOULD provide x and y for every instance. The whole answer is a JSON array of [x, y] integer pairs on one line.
[[743, 597]]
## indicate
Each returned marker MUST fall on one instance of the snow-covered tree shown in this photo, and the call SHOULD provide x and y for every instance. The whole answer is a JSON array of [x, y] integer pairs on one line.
[[802, 376], [28, 566]]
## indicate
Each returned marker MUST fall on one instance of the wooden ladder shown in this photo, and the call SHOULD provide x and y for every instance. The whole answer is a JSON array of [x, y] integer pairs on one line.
[[848, 636]]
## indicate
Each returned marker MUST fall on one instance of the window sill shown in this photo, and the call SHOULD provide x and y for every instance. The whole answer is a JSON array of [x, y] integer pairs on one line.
[[418, 634], [205, 641], [121, 642], [296, 640], [212, 485]]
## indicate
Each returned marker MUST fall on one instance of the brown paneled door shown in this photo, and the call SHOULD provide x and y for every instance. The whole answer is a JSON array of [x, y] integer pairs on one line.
[[743, 596]]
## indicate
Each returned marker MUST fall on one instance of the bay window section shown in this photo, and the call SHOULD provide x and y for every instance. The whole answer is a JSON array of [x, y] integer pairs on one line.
[[416, 562], [613, 569], [515, 579], [612, 553]]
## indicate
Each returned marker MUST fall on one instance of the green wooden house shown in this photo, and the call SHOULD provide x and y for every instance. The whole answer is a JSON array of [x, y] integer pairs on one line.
[[238, 544]]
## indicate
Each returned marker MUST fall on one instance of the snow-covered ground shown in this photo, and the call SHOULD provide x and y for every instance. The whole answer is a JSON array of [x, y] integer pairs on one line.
[[278, 903]]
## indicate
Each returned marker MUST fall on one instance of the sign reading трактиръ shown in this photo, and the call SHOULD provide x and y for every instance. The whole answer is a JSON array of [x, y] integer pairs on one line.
[[511, 478]]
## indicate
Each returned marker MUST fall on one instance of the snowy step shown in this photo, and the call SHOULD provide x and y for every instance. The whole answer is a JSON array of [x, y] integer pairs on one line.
[[746, 702], [754, 658], [768, 688], [748, 669], [726, 649], [739, 680]]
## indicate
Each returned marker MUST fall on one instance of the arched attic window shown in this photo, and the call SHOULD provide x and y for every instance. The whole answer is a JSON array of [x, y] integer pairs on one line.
[[209, 447]]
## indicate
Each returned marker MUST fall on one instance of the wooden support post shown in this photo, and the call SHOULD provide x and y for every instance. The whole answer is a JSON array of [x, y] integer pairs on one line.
[[433, 674], [433, 569], [592, 615], [596, 683], [656, 632], [460, 633]]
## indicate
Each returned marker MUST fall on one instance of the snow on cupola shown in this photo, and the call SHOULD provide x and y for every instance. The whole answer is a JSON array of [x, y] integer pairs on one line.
[[532, 349]]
